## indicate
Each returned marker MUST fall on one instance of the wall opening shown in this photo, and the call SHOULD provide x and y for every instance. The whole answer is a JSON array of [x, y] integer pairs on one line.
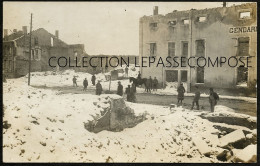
[[202, 19], [171, 49], [185, 48], [153, 49], [243, 46], [186, 21], [172, 75], [200, 74], [244, 15], [52, 41], [184, 75], [242, 76], [172, 23], [200, 48]]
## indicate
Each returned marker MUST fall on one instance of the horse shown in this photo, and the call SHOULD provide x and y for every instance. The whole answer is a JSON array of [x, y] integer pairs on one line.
[[138, 82]]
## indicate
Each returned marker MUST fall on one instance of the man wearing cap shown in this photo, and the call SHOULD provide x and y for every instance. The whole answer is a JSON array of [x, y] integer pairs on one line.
[[181, 91], [120, 89], [213, 98]]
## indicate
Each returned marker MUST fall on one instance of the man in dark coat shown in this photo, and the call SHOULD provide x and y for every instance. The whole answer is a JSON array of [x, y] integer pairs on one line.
[[155, 84], [149, 84], [213, 98], [93, 79], [132, 93], [120, 89], [74, 81], [85, 84], [127, 91], [196, 98], [98, 88], [181, 91]]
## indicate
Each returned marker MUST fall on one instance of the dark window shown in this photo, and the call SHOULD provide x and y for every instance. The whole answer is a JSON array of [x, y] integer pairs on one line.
[[36, 40], [153, 25], [242, 75], [153, 49], [243, 46], [172, 75], [200, 74], [171, 49], [200, 48], [185, 48], [184, 76]]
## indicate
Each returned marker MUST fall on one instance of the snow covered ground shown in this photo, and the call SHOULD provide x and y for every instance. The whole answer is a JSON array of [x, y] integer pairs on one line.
[[47, 126]]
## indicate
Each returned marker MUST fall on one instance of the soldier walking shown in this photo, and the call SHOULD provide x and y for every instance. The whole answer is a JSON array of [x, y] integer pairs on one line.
[[74, 81], [93, 79], [155, 84], [99, 88], [196, 98], [181, 91], [85, 84], [120, 89], [132, 93], [127, 91]]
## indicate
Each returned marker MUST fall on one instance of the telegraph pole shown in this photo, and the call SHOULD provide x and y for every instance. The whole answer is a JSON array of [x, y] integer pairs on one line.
[[30, 54]]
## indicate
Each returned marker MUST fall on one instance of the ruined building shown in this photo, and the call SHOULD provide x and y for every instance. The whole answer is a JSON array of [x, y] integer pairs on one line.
[[44, 45], [223, 31]]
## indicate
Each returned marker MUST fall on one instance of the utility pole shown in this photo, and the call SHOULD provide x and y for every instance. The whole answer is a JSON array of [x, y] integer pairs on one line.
[[30, 52]]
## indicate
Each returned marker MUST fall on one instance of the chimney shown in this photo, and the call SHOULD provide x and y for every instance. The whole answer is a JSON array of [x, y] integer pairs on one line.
[[57, 34], [25, 30], [224, 4], [155, 10], [5, 32], [15, 30]]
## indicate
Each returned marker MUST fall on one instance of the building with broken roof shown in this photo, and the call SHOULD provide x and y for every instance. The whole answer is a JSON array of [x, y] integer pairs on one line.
[[44, 45], [223, 31]]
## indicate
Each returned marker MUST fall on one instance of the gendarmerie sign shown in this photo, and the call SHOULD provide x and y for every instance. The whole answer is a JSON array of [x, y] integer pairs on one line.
[[243, 29]]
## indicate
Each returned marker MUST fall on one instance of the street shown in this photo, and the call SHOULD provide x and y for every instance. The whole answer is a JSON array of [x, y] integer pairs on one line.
[[240, 106]]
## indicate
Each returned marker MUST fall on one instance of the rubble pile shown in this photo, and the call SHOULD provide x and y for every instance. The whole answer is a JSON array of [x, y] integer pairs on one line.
[[114, 116]]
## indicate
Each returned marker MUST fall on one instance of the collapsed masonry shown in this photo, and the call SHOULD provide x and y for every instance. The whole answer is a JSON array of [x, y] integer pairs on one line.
[[115, 116], [237, 136]]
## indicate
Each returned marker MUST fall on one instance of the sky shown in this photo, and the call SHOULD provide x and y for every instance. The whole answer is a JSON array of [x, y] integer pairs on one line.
[[109, 28]]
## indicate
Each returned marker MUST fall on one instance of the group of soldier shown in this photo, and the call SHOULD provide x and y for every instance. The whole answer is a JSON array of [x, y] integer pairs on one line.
[[85, 84], [213, 97], [130, 91]]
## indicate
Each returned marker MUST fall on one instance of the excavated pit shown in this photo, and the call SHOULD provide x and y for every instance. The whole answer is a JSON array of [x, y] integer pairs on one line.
[[115, 116]]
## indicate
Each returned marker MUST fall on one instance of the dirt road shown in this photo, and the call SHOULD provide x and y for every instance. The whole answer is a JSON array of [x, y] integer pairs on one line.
[[240, 106]]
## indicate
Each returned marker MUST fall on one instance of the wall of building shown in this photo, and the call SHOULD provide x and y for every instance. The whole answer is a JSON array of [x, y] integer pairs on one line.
[[219, 41]]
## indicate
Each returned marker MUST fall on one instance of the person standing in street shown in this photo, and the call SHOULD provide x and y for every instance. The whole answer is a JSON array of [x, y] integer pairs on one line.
[[120, 89], [85, 84], [99, 88], [181, 91], [74, 81], [126, 71], [196, 98], [127, 91], [213, 98], [132, 93], [155, 84], [93, 79]]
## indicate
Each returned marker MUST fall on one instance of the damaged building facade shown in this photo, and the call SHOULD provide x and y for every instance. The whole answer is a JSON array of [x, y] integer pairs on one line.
[[44, 45], [216, 32]]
